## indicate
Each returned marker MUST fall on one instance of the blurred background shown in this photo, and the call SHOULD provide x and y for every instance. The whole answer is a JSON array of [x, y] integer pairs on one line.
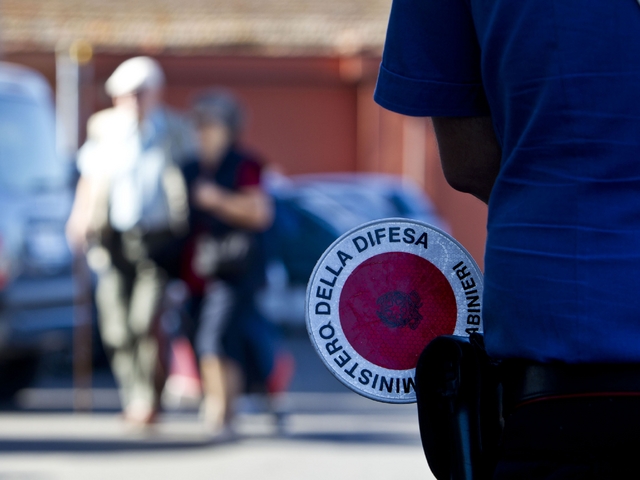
[[305, 70]]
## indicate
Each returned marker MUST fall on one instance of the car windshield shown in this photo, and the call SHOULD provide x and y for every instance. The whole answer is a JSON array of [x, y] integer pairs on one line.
[[28, 158]]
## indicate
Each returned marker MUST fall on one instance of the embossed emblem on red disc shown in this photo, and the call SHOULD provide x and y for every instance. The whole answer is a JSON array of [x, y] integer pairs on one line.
[[392, 305]]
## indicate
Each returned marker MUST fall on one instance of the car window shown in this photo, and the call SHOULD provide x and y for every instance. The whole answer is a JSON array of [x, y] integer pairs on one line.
[[28, 158]]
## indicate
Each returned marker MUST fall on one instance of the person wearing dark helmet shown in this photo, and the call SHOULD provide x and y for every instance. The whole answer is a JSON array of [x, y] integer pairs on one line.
[[228, 209], [537, 112]]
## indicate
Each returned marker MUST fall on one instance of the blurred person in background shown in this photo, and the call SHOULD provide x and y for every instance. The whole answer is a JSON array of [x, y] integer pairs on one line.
[[130, 205], [224, 264]]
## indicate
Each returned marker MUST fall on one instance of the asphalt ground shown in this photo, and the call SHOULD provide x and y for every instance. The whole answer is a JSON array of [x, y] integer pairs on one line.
[[322, 431]]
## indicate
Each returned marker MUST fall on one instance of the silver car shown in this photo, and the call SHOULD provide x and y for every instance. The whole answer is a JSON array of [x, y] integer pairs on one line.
[[314, 210], [36, 284]]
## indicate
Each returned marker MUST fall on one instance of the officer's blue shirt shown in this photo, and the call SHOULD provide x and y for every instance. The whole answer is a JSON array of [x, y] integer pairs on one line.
[[561, 80]]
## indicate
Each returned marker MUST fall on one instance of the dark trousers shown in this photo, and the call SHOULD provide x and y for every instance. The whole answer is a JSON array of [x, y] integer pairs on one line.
[[572, 438], [229, 324]]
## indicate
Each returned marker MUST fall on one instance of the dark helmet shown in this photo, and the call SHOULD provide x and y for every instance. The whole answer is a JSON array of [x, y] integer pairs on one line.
[[219, 106]]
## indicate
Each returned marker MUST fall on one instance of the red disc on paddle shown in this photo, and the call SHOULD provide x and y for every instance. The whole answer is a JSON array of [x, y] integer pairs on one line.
[[392, 305], [380, 294]]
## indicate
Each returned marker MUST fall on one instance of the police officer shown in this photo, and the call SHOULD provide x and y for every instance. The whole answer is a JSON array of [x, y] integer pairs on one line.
[[537, 112]]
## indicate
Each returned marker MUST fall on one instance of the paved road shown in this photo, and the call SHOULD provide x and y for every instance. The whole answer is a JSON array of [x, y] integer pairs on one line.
[[328, 433]]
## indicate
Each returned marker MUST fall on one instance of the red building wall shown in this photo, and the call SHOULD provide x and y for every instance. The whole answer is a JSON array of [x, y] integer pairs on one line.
[[306, 115]]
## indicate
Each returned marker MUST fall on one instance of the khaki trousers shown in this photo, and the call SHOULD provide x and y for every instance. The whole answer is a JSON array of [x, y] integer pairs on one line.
[[128, 305]]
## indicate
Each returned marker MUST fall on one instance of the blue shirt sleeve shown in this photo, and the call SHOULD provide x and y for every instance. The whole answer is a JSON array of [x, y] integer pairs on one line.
[[431, 61]]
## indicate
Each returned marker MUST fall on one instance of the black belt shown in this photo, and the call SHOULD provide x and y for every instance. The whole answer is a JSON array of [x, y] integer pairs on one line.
[[525, 382]]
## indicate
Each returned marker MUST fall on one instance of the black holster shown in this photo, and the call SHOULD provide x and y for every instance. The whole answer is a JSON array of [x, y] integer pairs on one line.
[[459, 411]]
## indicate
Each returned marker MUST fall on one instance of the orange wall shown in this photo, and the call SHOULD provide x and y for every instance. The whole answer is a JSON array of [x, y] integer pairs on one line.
[[302, 116], [306, 115], [298, 128]]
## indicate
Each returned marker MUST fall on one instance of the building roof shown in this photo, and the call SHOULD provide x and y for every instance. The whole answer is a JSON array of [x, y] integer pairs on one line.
[[345, 26]]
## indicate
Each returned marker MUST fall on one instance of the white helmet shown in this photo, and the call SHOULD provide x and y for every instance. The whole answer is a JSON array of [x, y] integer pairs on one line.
[[138, 73]]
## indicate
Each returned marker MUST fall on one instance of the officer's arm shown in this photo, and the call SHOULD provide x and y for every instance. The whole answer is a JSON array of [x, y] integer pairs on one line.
[[469, 153]]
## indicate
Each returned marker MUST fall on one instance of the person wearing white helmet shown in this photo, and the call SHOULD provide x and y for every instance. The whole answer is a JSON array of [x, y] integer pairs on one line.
[[130, 205]]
